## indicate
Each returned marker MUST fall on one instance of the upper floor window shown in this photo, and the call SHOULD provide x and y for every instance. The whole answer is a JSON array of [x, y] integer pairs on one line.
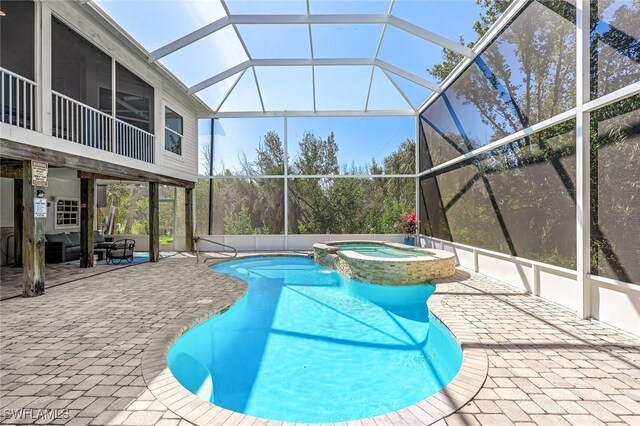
[[172, 131]]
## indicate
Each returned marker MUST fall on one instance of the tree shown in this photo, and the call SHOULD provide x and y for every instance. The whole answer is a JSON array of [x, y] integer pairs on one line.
[[492, 9], [206, 159], [317, 156], [515, 198], [316, 205], [270, 155], [238, 223]]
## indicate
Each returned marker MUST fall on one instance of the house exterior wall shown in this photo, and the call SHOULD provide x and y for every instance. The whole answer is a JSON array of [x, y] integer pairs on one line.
[[104, 35]]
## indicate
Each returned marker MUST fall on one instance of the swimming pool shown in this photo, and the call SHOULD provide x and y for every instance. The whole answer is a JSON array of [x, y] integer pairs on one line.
[[308, 345], [377, 250]]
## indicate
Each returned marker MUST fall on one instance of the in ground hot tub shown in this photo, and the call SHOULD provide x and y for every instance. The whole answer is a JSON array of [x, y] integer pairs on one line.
[[385, 263]]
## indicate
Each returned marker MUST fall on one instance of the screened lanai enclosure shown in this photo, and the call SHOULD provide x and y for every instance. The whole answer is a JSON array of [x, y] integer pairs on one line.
[[513, 133]]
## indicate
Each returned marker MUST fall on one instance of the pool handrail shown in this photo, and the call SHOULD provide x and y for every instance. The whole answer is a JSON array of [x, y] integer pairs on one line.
[[197, 239]]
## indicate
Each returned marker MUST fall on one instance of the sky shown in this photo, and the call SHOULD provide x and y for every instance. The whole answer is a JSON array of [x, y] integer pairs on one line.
[[360, 139], [167, 20], [155, 23]]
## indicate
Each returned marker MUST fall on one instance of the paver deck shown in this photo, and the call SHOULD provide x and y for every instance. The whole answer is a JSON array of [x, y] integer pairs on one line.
[[79, 349]]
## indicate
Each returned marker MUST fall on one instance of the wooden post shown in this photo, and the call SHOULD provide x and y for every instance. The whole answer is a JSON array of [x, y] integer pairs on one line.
[[154, 221], [32, 239], [87, 212], [188, 218], [17, 221]]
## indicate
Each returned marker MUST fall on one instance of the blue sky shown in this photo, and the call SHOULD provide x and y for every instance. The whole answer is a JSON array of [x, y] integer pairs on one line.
[[360, 139], [154, 23]]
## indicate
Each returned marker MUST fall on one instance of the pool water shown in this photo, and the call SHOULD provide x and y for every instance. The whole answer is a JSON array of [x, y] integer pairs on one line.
[[377, 250], [308, 345]]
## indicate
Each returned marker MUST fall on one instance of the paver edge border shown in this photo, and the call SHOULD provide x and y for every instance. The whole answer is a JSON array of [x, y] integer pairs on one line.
[[168, 391]]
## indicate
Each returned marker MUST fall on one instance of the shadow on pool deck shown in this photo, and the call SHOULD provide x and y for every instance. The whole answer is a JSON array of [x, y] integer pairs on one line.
[[79, 348], [60, 273]]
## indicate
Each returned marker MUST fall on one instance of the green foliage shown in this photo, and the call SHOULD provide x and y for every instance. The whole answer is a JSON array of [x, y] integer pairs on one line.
[[316, 206], [270, 155], [238, 223], [492, 9], [131, 202], [317, 156]]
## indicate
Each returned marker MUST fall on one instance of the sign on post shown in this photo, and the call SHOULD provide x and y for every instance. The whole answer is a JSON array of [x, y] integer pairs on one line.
[[39, 208], [39, 173]]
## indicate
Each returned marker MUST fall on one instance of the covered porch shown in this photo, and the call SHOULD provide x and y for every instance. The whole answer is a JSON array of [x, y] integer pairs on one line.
[[55, 196]]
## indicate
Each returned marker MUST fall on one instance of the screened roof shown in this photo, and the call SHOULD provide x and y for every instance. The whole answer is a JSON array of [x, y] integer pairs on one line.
[[264, 56]]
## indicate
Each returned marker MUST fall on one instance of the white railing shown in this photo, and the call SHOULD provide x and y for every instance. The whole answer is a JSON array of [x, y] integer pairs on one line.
[[76, 122], [133, 142], [18, 100], [80, 123]]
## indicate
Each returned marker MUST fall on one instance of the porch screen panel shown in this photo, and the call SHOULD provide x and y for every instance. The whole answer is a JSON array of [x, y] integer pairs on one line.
[[523, 77], [433, 220], [79, 69], [351, 145], [517, 199], [202, 206], [134, 100], [17, 30], [615, 45], [615, 191], [247, 206], [349, 205], [248, 146], [439, 139]]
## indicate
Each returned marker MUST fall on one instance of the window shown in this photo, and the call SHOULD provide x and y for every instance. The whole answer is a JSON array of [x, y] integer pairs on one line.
[[67, 213], [172, 131]]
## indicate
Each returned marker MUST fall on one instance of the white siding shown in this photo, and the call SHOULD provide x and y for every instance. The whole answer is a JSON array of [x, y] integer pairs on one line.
[[188, 160], [167, 92]]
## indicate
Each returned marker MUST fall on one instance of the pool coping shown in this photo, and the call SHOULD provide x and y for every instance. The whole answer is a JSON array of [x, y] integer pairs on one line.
[[168, 391]]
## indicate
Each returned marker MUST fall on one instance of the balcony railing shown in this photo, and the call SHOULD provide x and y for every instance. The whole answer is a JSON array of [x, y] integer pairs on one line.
[[18, 100], [76, 122], [133, 142], [80, 123]]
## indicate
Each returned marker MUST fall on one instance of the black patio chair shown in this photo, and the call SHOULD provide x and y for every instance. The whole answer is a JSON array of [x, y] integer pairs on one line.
[[121, 250]]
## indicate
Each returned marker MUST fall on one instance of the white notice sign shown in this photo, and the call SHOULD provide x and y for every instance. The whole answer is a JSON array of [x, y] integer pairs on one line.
[[39, 172], [39, 207]]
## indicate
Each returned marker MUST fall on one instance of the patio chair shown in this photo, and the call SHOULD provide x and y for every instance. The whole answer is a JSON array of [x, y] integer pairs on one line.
[[121, 250]]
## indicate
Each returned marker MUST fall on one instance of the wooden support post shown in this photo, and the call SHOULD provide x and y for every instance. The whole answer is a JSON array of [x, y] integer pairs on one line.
[[17, 221], [87, 212], [32, 239], [154, 221], [188, 219]]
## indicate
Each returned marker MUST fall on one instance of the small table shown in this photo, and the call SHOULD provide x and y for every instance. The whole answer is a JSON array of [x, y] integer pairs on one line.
[[102, 253]]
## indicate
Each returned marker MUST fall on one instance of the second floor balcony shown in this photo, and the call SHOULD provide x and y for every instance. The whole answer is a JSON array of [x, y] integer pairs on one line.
[[76, 122], [72, 120]]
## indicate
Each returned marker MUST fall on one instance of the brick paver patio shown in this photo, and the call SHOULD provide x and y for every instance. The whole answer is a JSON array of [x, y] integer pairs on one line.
[[79, 348]]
